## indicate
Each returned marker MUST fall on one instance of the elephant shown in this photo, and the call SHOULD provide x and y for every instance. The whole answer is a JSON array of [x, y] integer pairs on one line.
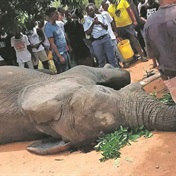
[[75, 106]]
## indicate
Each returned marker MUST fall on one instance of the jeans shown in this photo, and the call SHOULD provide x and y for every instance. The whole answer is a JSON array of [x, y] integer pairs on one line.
[[103, 49], [61, 67]]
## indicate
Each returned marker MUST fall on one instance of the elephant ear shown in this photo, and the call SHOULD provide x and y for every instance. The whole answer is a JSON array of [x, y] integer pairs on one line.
[[43, 102]]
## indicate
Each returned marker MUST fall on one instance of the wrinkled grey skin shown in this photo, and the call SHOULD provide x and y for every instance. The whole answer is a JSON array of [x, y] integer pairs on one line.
[[75, 106], [34, 103]]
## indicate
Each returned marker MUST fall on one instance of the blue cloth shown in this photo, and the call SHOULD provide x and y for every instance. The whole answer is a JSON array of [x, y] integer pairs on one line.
[[55, 31]]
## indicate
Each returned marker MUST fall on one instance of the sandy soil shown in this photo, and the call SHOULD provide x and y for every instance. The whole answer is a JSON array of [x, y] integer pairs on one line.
[[147, 157]]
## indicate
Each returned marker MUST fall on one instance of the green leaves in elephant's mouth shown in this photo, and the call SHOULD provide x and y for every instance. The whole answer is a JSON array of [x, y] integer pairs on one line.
[[111, 143], [166, 99]]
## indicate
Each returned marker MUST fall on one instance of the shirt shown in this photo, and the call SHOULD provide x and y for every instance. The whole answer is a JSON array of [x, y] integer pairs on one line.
[[55, 31], [35, 39], [97, 30], [148, 9], [109, 20], [160, 36], [120, 14]]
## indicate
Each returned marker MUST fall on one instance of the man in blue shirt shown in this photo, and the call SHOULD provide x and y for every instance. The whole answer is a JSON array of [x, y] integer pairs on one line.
[[57, 40]]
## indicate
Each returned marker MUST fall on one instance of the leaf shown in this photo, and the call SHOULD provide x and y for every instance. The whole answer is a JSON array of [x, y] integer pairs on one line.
[[129, 159], [117, 162]]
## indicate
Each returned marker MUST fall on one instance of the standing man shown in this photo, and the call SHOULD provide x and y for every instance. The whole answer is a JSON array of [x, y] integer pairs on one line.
[[124, 19], [57, 41], [36, 39], [95, 25], [160, 35], [146, 11]]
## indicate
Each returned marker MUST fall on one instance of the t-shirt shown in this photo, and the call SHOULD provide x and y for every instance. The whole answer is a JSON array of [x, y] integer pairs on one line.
[[20, 46], [148, 10], [55, 31], [35, 39], [120, 14]]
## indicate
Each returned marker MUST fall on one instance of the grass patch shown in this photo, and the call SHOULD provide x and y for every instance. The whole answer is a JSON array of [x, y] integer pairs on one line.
[[110, 144]]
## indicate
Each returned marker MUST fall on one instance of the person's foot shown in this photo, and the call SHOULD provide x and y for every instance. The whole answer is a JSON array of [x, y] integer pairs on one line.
[[144, 59], [154, 66], [126, 64]]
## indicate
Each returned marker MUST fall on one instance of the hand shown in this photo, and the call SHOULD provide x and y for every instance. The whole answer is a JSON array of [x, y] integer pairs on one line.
[[62, 60], [96, 21], [135, 23], [37, 45], [118, 39]]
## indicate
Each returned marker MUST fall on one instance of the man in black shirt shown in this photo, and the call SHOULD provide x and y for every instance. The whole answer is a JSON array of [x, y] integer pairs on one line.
[[150, 8]]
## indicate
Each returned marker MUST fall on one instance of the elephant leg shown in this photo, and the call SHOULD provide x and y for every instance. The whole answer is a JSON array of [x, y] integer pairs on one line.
[[110, 77]]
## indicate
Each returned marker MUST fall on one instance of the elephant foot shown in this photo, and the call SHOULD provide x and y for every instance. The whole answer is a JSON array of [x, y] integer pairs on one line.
[[48, 146]]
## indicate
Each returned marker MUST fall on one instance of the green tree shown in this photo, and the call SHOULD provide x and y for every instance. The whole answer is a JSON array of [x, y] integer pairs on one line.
[[18, 10]]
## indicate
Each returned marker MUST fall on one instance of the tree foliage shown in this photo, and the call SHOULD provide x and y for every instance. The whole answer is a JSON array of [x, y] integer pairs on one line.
[[13, 11], [17, 10]]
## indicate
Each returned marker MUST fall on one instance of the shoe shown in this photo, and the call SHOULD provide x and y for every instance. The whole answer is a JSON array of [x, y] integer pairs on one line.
[[144, 59], [126, 64]]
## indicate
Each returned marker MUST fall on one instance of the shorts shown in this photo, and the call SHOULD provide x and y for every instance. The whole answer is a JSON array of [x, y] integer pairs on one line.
[[40, 55]]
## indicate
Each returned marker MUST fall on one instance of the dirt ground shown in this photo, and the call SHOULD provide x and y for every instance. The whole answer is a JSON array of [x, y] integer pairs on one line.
[[147, 157]]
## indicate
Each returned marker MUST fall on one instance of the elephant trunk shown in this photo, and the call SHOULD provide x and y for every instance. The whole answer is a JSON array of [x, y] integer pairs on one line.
[[140, 108]]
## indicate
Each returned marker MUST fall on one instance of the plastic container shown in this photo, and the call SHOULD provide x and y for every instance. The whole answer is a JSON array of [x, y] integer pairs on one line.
[[125, 49]]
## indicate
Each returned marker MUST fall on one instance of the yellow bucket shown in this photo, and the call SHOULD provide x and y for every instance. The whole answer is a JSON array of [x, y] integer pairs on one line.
[[125, 49]]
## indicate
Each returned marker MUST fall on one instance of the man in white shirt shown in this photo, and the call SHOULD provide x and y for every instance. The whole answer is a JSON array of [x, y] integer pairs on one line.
[[36, 38]]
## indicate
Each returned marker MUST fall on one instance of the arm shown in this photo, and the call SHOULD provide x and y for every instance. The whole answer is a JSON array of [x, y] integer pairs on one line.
[[41, 35], [132, 16]]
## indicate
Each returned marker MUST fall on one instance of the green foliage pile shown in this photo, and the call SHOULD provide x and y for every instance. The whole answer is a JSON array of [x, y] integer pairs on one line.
[[110, 144]]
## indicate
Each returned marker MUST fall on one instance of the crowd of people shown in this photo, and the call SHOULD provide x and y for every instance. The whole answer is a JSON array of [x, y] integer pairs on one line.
[[77, 39], [91, 39]]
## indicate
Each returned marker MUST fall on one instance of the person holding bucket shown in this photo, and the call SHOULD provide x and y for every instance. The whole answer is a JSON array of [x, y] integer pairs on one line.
[[124, 19]]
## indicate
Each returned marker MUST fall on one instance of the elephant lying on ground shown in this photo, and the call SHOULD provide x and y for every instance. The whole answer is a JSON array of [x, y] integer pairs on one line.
[[76, 106]]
